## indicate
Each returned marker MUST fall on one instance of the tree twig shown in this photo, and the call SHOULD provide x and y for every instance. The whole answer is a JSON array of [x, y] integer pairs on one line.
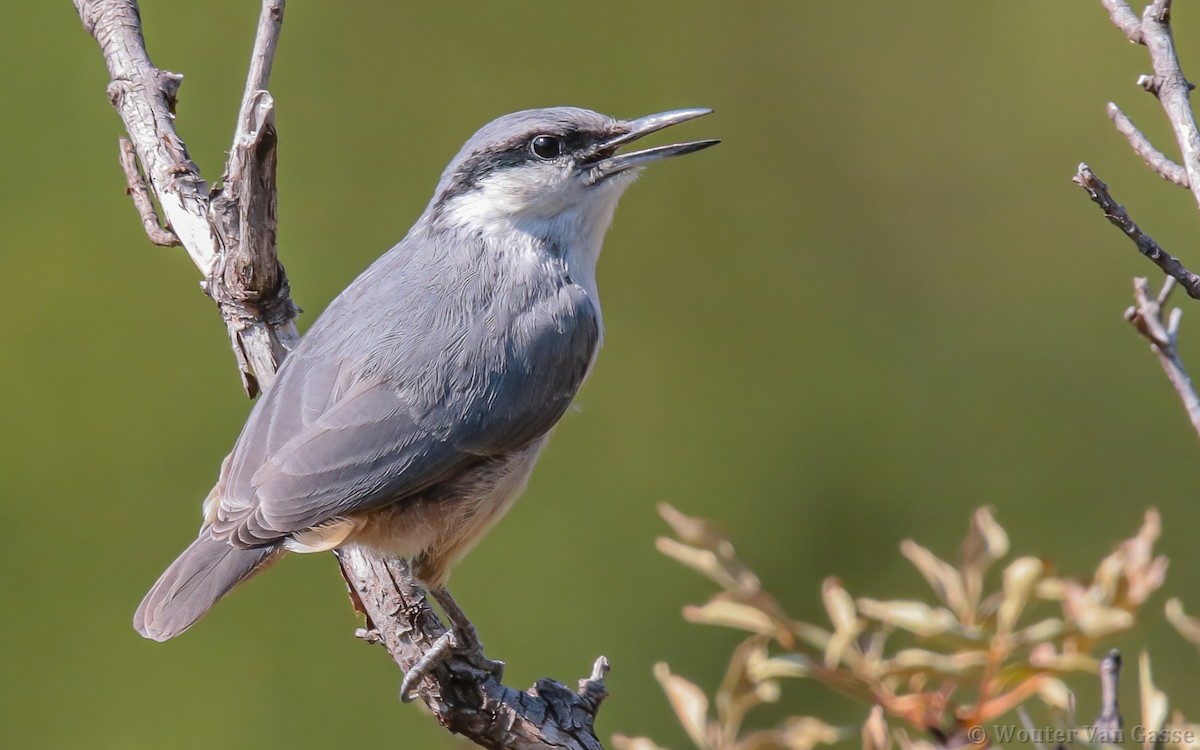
[[1109, 723], [1167, 83], [1116, 213], [144, 96], [1125, 19], [1155, 159], [1146, 317], [231, 237]]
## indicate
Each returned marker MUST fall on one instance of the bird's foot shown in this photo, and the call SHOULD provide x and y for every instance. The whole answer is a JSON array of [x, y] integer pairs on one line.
[[452, 643], [472, 650]]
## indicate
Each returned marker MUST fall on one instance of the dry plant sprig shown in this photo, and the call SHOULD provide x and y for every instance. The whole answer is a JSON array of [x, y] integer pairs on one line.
[[966, 657]]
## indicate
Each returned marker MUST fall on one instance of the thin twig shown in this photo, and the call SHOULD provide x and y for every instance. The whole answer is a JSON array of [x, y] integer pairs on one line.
[[1168, 82], [1125, 19], [135, 185], [1155, 159], [1146, 317], [262, 58], [1116, 213], [1109, 724]]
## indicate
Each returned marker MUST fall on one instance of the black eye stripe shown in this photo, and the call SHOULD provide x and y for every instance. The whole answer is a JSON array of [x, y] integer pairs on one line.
[[512, 154]]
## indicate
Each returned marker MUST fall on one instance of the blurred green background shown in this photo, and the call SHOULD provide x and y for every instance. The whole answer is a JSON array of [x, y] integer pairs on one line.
[[880, 303]]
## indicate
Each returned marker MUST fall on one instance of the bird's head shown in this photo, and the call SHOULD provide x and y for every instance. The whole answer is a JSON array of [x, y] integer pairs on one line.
[[550, 166]]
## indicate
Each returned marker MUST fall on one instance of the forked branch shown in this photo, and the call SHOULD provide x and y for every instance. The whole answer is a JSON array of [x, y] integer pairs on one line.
[[1173, 91]]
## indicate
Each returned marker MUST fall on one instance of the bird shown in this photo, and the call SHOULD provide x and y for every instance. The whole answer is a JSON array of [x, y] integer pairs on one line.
[[409, 417]]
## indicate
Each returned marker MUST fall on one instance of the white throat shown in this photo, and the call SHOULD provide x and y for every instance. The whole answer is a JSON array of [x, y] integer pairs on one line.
[[511, 213]]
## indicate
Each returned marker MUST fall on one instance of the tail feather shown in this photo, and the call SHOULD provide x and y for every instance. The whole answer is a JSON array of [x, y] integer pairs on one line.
[[206, 571]]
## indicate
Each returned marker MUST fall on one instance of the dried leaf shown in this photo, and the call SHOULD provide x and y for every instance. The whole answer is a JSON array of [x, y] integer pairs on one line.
[[1020, 577], [740, 689], [767, 692], [1092, 618], [729, 614], [1132, 573], [875, 731], [915, 617], [1097, 621], [986, 542], [1154, 701], [1106, 582], [776, 667], [1188, 627], [1145, 573], [943, 577], [689, 702], [815, 636], [805, 733], [703, 561], [840, 606], [696, 532], [1055, 694], [1051, 589], [1040, 631], [955, 665], [1045, 657], [1147, 580]]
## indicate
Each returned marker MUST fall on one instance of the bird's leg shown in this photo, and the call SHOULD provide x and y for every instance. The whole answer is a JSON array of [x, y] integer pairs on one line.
[[461, 639], [465, 636]]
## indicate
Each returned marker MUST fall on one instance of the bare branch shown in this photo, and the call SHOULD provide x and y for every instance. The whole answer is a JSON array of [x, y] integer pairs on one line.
[[253, 297], [135, 185], [1146, 317], [1155, 159], [1125, 19], [1116, 213], [1173, 89], [1167, 83], [467, 700], [144, 96], [231, 237]]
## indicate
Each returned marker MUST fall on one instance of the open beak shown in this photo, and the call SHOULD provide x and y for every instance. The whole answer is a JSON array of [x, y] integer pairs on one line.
[[606, 162]]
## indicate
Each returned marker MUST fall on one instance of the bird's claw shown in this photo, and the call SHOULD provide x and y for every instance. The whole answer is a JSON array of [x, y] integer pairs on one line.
[[448, 644], [493, 667]]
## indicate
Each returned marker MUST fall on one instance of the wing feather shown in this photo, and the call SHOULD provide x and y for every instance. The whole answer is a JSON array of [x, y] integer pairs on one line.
[[340, 434]]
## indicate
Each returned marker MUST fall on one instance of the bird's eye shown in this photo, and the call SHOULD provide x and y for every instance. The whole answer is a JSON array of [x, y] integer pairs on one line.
[[546, 147]]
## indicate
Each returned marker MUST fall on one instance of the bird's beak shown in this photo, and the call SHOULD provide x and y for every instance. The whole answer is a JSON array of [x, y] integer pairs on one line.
[[606, 162]]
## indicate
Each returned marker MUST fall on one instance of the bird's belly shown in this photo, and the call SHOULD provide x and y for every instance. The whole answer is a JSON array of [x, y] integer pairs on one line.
[[438, 527]]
